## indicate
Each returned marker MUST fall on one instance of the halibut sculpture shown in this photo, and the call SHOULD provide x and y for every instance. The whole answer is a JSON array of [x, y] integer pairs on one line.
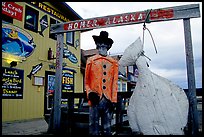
[[157, 106]]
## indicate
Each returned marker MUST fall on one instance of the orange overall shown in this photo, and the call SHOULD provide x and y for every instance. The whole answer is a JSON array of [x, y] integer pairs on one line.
[[101, 76]]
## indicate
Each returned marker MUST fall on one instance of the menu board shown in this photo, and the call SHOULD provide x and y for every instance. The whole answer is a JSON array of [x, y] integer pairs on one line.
[[12, 83]]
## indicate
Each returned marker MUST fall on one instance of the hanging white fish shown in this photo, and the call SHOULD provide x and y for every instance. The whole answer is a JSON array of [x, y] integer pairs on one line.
[[157, 106]]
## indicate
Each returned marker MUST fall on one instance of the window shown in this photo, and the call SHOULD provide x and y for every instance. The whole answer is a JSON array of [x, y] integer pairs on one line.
[[124, 86], [6, 18], [31, 19], [70, 38], [130, 69], [119, 85], [53, 21]]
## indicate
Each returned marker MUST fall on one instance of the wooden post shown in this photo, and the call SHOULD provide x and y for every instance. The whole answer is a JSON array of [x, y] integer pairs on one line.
[[193, 113], [58, 83]]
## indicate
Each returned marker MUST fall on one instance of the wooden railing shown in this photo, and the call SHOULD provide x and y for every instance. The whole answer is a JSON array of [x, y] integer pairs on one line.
[[76, 114]]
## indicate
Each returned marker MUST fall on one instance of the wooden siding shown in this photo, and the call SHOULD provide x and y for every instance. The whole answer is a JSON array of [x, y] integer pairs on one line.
[[32, 104]]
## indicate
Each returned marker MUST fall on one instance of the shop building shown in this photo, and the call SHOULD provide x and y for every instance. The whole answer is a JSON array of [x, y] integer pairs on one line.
[[28, 58]]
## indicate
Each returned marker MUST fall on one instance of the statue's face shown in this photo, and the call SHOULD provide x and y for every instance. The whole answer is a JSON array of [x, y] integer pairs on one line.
[[102, 49]]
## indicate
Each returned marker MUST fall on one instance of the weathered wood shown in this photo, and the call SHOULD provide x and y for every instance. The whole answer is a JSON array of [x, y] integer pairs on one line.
[[193, 113], [58, 83], [162, 14]]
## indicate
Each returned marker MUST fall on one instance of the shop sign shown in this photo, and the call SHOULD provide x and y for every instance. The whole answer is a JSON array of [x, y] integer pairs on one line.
[[68, 81], [67, 86], [13, 10], [114, 20], [49, 10], [123, 19], [12, 83], [148, 16]]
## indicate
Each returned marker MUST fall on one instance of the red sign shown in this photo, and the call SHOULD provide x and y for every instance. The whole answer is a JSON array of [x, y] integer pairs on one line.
[[120, 19], [13, 10]]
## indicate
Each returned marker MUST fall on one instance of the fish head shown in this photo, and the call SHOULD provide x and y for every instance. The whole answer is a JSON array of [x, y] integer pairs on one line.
[[131, 53]]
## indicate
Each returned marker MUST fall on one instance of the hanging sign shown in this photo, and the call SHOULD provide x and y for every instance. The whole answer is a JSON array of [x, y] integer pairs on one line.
[[12, 83], [162, 14], [13, 10]]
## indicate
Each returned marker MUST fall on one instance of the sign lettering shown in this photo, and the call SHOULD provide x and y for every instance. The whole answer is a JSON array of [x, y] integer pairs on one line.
[[155, 15], [49, 10], [13, 10], [123, 19], [12, 83]]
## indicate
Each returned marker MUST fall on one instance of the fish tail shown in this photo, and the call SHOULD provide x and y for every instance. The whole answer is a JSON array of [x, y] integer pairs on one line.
[[29, 76], [40, 32]]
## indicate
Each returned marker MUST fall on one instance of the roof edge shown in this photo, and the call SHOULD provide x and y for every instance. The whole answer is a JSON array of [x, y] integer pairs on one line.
[[65, 4]]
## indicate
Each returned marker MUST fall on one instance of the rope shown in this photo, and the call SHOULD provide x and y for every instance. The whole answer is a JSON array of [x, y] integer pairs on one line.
[[144, 28], [152, 40]]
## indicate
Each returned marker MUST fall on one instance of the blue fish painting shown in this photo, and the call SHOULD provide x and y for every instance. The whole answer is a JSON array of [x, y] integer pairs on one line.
[[68, 54], [16, 41]]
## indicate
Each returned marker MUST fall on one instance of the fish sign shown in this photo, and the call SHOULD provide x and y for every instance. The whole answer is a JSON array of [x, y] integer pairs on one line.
[[34, 70]]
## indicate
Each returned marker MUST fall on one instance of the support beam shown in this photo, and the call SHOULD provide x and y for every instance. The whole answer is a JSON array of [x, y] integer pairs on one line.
[[193, 112], [58, 83], [156, 15]]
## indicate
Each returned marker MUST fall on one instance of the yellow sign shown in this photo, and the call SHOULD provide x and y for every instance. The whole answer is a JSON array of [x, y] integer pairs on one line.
[[49, 10]]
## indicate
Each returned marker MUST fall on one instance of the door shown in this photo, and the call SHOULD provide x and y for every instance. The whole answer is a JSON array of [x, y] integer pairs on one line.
[[49, 91]]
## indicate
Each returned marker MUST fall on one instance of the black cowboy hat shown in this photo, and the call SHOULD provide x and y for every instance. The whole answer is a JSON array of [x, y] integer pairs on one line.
[[103, 38]]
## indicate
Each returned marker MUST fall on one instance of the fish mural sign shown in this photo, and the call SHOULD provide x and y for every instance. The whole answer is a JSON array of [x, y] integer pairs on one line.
[[16, 42], [68, 54]]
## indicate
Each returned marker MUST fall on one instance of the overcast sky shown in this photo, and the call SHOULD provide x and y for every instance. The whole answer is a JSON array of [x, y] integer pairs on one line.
[[170, 61]]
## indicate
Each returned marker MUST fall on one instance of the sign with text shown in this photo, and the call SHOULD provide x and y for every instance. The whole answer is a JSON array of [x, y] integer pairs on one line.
[[49, 10], [67, 86], [12, 83], [13, 10], [155, 15]]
